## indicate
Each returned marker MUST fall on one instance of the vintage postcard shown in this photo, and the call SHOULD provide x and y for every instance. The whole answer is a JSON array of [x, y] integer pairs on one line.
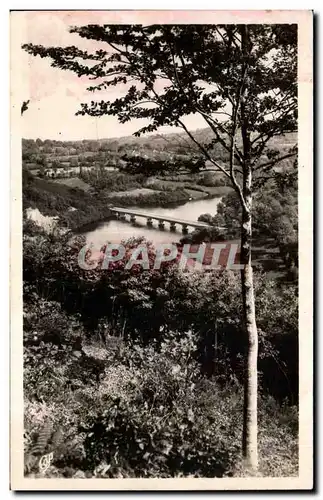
[[161, 236]]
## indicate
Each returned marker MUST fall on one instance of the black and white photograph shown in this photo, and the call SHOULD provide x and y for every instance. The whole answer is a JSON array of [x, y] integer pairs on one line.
[[161, 319]]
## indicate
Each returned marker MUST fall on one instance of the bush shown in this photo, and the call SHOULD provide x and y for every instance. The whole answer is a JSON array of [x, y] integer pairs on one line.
[[162, 421]]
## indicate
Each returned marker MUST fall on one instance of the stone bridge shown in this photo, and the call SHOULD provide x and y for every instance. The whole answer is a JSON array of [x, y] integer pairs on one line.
[[122, 213]]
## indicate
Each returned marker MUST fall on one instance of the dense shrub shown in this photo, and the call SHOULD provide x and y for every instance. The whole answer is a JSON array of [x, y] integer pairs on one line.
[[150, 414], [163, 198]]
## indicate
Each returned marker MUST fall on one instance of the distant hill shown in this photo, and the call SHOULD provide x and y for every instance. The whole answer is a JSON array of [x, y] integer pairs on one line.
[[204, 135], [104, 151]]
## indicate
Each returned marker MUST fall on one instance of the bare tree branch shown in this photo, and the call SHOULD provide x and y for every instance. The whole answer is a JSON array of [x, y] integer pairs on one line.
[[204, 151], [273, 162]]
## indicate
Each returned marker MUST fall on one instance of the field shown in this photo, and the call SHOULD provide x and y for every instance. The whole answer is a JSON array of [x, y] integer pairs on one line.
[[133, 192], [74, 182]]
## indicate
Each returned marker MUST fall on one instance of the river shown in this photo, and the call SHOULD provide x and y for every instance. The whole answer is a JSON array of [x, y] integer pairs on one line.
[[115, 231]]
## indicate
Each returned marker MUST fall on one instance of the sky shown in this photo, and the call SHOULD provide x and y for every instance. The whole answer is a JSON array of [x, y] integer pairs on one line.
[[55, 95]]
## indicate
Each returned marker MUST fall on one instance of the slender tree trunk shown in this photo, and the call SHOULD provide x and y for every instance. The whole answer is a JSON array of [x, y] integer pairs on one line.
[[250, 430], [215, 349], [250, 447]]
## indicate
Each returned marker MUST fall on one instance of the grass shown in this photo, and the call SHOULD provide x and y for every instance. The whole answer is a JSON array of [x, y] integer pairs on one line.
[[195, 190], [74, 182], [133, 192]]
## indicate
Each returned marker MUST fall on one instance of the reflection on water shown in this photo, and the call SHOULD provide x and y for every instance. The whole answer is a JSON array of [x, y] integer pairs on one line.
[[115, 231]]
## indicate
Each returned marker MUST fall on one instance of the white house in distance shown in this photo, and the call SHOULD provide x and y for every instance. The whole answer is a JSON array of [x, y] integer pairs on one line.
[[56, 173]]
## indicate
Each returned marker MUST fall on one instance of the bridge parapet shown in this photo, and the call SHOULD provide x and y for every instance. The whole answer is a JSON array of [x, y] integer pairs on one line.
[[122, 212]]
